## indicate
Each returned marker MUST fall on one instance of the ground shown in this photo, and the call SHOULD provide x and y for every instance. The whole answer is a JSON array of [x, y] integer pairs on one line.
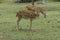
[[42, 28]]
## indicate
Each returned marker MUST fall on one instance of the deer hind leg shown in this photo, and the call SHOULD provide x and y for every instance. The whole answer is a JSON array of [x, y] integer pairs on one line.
[[19, 18], [30, 23], [43, 13]]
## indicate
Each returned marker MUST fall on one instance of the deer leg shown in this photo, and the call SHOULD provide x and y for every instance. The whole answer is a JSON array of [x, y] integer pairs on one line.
[[43, 13], [19, 18], [30, 23]]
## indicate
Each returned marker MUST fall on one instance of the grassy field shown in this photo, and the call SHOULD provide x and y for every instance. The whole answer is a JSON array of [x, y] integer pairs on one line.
[[42, 28]]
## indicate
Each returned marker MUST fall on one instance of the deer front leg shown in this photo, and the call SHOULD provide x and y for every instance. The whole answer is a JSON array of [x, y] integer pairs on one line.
[[19, 18], [30, 23]]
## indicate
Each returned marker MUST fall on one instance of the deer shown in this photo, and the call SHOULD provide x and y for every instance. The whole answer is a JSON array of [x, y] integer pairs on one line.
[[26, 14], [36, 9]]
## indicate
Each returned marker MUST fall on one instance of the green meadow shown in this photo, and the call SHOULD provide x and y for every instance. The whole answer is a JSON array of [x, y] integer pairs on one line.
[[42, 28]]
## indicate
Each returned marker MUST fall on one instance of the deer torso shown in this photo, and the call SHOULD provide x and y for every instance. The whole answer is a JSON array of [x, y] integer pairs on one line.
[[27, 14]]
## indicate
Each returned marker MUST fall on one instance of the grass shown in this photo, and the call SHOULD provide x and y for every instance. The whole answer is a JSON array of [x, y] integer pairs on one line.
[[42, 28]]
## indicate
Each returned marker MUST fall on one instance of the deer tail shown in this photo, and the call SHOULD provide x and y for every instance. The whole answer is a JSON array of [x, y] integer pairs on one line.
[[16, 14]]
